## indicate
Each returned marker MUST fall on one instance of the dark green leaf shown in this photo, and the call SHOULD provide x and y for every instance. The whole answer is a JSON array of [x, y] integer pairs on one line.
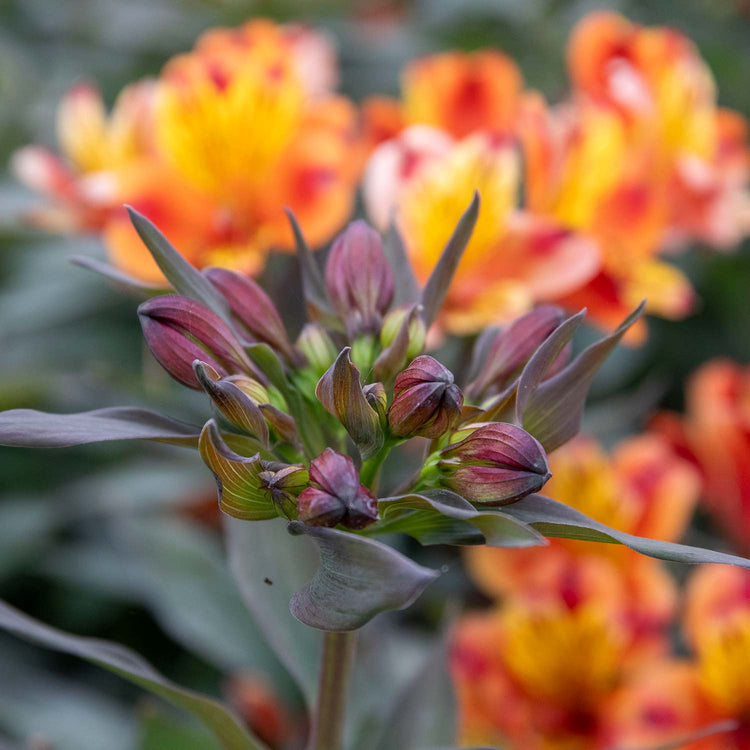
[[555, 519], [227, 727], [28, 428], [357, 579], [440, 279], [184, 277]]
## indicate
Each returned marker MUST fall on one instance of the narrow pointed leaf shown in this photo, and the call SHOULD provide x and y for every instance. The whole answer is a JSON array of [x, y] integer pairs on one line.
[[341, 393], [183, 276], [445, 517], [28, 428], [357, 579], [119, 279], [554, 410], [407, 286], [542, 359], [241, 492], [554, 519], [232, 403], [393, 358], [437, 285], [313, 286], [266, 359], [228, 728]]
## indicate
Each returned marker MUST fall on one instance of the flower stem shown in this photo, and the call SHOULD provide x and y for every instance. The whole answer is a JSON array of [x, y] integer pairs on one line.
[[328, 722]]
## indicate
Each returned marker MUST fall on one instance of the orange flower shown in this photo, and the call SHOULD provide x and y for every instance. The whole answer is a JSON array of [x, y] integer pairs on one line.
[[238, 128], [457, 92], [537, 677], [664, 92], [715, 434], [643, 488], [82, 181], [513, 259]]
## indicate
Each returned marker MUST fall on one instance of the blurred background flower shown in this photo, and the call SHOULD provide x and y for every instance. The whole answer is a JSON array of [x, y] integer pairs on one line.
[[610, 149]]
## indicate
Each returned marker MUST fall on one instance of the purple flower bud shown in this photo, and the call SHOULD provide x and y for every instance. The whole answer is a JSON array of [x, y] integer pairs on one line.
[[336, 495], [253, 307], [179, 330], [496, 464], [513, 346], [426, 400], [359, 280]]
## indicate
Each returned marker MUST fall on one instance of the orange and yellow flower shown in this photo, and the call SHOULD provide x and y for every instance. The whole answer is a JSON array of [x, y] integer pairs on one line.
[[235, 130], [643, 488], [425, 179]]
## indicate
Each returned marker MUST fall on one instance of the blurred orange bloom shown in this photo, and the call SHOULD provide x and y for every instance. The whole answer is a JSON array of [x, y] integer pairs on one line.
[[643, 488], [671, 699], [240, 127], [457, 92], [81, 182], [715, 435], [537, 677], [425, 179]]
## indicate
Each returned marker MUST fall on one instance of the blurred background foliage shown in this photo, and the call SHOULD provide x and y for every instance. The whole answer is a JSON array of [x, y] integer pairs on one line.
[[103, 541]]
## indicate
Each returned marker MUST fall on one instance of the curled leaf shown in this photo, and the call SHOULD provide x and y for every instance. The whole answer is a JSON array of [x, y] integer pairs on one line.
[[357, 579], [341, 393], [242, 493]]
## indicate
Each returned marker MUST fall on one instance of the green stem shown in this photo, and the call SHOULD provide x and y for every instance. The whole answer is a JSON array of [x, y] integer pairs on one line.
[[328, 722]]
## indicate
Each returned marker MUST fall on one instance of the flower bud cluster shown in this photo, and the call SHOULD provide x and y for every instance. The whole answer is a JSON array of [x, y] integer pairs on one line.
[[302, 427]]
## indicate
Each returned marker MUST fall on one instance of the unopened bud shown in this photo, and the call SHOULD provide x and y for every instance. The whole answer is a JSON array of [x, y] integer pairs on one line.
[[426, 400], [513, 346], [315, 343], [179, 330], [496, 464], [336, 495], [283, 484], [359, 279], [392, 325], [253, 307]]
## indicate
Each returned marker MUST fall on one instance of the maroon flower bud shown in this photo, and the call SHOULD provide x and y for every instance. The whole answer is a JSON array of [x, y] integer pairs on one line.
[[253, 307], [336, 495], [513, 346], [426, 400], [359, 280], [496, 464], [179, 330]]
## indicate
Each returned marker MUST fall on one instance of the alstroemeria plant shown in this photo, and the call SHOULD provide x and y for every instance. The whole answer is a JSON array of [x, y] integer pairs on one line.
[[305, 430]]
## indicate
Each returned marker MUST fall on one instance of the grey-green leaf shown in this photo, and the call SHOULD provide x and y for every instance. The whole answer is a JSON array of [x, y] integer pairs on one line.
[[357, 579], [443, 517], [119, 279], [227, 727], [437, 285], [553, 412], [28, 428], [554, 519], [184, 277], [407, 288]]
